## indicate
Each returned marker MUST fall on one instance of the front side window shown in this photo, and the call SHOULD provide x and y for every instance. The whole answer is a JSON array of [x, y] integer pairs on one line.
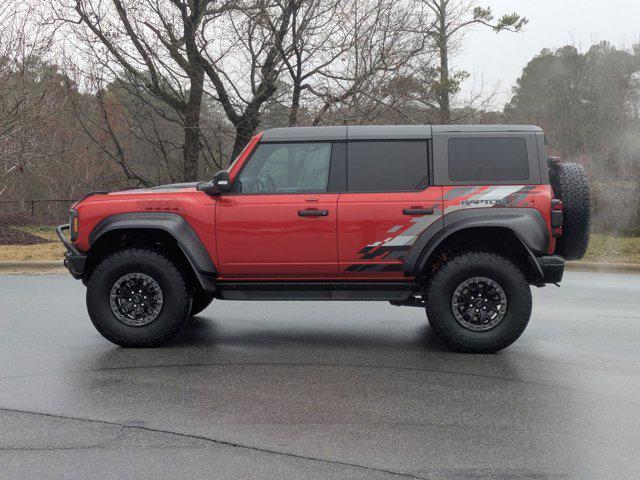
[[386, 166], [286, 168]]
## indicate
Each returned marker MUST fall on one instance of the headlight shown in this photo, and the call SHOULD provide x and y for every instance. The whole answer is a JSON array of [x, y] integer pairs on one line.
[[73, 225]]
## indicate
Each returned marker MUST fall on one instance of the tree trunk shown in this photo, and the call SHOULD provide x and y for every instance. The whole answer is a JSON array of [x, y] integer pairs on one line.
[[191, 145], [443, 92], [295, 106], [245, 129]]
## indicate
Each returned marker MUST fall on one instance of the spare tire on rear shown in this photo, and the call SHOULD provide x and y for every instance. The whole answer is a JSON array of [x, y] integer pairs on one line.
[[571, 185]]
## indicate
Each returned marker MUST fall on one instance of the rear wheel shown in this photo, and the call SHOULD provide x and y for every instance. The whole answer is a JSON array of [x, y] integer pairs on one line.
[[478, 302], [137, 298]]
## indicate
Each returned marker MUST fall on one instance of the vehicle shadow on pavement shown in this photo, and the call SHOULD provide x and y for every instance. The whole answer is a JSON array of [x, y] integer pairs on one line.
[[202, 331], [209, 343], [314, 337]]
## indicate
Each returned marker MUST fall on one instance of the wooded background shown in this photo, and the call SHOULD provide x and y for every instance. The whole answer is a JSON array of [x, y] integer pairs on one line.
[[109, 94]]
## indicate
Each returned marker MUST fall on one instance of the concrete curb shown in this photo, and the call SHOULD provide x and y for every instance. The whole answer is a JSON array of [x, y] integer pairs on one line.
[[32, 267], [58, 267], [605, 267]]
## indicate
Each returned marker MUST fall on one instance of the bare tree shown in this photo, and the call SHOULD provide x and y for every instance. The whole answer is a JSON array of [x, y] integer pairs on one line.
[[379, 40], [183, 51], [116, 123], [153, 44], [27, 86], [245, 66], [316, 41], [451, 19]]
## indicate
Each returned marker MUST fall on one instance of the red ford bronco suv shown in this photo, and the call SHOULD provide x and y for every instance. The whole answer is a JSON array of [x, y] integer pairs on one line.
[[459, 220]]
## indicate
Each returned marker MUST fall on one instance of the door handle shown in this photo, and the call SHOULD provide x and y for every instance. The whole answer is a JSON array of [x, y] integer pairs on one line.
[[418, 211], [313, 213]]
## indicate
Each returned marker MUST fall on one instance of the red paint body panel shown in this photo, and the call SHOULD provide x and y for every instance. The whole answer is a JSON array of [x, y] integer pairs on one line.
[[375, 236], [196, 207], [520, 196], [262, 236]]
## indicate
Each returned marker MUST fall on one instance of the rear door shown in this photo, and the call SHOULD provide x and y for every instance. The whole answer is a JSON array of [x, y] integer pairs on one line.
[[387, 204], [280, 222]]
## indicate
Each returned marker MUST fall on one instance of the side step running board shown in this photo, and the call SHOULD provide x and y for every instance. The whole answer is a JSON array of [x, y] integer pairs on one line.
[[388, 291]]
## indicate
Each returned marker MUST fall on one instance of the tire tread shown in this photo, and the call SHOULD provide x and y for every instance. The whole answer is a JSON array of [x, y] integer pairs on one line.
[[133, 255], [570, 183], [436, 286]]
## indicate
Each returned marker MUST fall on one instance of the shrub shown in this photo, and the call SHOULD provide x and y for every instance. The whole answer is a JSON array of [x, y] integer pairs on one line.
[[616, 208]]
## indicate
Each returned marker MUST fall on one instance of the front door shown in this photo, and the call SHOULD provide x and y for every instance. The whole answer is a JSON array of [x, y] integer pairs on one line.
[[387, 205], [279, 221]]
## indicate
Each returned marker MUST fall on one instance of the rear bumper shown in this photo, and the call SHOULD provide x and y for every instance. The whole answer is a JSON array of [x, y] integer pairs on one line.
[[552, 268], [74, 260]]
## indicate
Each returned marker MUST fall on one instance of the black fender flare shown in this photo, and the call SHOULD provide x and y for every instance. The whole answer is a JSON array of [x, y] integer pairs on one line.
[[176, 226], [526, 224]]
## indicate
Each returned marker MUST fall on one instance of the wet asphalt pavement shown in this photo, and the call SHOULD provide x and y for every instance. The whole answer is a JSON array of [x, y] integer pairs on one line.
[[253, 390]]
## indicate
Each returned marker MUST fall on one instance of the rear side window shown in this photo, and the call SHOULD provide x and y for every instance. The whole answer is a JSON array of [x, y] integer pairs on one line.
[[386, 166], [488, 159]]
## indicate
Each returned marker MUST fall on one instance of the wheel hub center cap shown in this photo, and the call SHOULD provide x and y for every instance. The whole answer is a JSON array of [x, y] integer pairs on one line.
[[136, 299], [479, 304]]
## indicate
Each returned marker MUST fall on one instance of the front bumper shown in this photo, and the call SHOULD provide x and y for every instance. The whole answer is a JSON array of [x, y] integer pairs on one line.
[[74, 260]]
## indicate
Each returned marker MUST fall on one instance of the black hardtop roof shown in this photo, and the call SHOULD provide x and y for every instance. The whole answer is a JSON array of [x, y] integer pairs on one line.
[[382, 132]]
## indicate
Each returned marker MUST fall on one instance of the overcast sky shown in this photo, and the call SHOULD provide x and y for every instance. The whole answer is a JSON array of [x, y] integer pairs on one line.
[[493, 58]]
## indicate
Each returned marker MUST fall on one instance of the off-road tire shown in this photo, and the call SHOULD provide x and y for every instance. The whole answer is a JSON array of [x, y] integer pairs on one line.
[[571, 185], [201, 300], [451, 274], [176, 298]]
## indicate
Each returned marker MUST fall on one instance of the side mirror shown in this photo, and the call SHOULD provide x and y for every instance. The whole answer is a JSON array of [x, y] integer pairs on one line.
[[219, 185]]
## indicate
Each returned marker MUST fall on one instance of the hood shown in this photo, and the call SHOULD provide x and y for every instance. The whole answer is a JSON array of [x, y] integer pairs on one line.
[[170, 187], [175, 186]]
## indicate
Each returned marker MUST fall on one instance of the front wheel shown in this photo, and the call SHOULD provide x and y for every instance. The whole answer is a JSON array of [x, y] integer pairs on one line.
[[137, 298], [478, 302]]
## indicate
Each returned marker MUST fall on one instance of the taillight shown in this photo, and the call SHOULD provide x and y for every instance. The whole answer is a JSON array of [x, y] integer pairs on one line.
[[73, 225], [556, 217]]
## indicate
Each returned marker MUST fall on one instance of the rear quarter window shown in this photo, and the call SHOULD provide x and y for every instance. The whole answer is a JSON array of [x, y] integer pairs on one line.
[[488, 159]]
